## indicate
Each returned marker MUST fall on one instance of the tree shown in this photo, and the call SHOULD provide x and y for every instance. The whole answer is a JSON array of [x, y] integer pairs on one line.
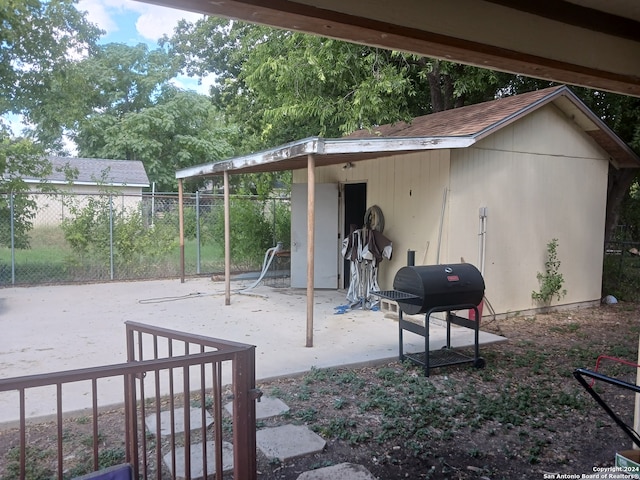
[[38, 42], [181, 129], [115, 80], [18, 158], [278, 86], [296, 85]]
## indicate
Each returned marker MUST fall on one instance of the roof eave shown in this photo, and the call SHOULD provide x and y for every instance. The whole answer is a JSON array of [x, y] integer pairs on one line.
[[323, 146], [630, 160], [84, 183]]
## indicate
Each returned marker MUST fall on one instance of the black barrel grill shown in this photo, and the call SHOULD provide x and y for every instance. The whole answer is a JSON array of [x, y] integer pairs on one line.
[[431, 289]]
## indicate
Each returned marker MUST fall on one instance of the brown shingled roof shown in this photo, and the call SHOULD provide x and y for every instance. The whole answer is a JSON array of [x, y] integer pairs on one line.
[[464, 121], [478, 121], [457, 128]]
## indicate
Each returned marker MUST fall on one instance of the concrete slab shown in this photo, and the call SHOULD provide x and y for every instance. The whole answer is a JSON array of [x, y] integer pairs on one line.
[[63, 327], [288, 441], [267, 407], [195, 420], [196, 460], [342, 471]]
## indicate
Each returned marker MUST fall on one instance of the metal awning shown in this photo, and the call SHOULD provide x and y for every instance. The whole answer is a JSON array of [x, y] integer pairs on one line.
[[327, 151]]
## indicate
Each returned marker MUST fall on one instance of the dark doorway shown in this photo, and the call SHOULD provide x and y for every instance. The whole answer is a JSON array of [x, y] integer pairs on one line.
[[355, 206]]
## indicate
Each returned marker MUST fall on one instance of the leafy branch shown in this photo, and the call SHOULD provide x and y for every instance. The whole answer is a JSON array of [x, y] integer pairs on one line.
[[551, 281]]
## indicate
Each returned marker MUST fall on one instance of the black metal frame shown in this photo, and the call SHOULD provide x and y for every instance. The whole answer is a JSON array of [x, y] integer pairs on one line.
[[446, 356], [580, 373]]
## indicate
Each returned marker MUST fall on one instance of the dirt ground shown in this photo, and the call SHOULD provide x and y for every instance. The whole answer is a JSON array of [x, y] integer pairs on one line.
[[524, 416]]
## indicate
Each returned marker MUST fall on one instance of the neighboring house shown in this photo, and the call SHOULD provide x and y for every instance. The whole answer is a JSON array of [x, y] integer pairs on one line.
[[77, 179], [535, 165]]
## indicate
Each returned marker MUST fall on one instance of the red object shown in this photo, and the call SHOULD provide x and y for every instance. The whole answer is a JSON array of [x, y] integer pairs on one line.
[[472, 312]]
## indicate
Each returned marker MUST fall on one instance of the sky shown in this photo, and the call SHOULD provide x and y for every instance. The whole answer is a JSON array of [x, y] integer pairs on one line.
[[132, 22]]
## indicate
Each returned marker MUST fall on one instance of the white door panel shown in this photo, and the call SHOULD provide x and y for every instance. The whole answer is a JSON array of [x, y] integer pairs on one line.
[[326, 236]]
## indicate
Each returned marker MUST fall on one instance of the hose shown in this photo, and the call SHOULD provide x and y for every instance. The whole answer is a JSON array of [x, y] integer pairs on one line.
[[374, 219], [266, 263]]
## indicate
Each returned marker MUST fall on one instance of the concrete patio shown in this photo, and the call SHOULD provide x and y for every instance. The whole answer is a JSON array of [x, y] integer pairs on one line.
[[54, 328]]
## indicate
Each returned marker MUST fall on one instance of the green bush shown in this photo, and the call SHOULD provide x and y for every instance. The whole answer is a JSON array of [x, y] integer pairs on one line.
[[250, 233], [551, 281], [282, 215], [88, 232]]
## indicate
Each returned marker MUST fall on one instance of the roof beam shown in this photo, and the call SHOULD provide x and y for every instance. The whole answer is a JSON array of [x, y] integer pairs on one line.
[[578, 16], [549, 39]]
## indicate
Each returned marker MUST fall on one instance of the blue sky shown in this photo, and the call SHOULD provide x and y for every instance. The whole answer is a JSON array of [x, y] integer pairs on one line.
[[132, 22]]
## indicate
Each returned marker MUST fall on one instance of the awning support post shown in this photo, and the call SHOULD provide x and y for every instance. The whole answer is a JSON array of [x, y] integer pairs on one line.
[[181, 227], [311, 221], [227, 242]]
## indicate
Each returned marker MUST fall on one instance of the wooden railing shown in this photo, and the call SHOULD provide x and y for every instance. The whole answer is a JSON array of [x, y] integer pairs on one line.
[[165, 370]]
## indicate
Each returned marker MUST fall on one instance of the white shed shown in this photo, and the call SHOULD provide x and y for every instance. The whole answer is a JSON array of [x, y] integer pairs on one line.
[[535, 165], [124, 179]]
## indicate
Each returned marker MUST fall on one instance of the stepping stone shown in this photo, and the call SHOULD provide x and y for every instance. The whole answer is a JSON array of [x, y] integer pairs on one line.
[[267, 407], [343, 471], [288, 441], [165, 421], [196, 460]]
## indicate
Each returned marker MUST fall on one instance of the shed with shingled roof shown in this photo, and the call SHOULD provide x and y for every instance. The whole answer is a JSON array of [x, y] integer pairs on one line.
[[78, 179], [490, 184]]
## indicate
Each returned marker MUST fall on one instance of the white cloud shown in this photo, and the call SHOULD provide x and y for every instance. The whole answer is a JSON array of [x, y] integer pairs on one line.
[[151, 21], [100, 13], [185, 82], [158, 21]]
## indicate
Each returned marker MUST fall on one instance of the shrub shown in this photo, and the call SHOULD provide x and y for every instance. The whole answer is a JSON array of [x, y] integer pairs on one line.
[[250, 233], [88, 232], [551, 280]]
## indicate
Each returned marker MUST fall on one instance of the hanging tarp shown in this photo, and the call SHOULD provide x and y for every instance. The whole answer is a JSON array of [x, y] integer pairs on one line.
[[365, 248]]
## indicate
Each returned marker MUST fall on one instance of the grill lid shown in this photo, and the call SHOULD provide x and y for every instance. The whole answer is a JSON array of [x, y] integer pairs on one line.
[[432, 286]]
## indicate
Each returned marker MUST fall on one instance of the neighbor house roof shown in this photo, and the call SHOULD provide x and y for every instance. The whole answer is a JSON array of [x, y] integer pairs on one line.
[[458, 128], [96, 171]]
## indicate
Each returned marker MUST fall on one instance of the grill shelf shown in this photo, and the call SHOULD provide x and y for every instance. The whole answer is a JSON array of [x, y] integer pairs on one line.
[[395, 295], [438, 358], [444, 357]]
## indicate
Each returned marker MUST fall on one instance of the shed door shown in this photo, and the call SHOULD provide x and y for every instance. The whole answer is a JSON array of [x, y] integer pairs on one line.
[[326, 236]]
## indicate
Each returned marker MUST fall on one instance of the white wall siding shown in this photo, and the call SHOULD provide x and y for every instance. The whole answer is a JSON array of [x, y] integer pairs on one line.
[[540, 178], [53, 208], [409, 190]]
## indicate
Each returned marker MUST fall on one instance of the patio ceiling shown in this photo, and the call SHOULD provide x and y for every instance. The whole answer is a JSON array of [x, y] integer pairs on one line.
[[592, 43]]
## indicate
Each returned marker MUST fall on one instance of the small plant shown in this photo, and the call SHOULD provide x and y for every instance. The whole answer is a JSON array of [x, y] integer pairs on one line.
[[551, 281]]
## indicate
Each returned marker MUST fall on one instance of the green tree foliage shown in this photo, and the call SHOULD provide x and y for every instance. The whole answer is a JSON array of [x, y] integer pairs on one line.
[[38, 40], [19, 158], [251, 233], [285, 85], [100, 89], [180, 130]]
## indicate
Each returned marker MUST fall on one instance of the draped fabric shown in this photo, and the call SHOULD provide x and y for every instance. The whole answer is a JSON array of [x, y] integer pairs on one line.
[[365, 249]]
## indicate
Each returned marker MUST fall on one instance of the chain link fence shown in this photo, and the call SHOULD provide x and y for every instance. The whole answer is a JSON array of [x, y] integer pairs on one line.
[[75, 237]]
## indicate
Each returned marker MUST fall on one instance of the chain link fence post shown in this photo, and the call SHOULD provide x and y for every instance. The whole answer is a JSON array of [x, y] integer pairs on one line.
[[13, 242], [111, 236], [198, 232]]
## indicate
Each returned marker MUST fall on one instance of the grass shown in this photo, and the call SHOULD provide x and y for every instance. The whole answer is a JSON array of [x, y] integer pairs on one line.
[[378, 412], [519, 405], [50, 259]]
